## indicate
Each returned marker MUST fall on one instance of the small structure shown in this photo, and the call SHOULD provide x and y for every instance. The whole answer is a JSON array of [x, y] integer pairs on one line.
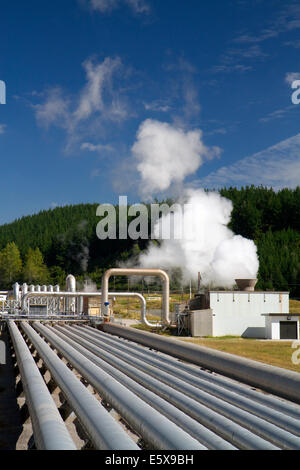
[[236, 312], [92, 305], [280, 326]]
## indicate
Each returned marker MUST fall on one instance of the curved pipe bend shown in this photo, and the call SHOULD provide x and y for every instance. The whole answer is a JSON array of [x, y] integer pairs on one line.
[[139, 272], [26, 297]]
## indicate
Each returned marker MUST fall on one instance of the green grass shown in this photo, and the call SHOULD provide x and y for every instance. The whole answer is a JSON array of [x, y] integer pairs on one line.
[[277, 353], [295, 306]]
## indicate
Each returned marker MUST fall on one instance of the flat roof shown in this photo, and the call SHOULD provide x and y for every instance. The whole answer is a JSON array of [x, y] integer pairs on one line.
[[281, 314], [247, 292]]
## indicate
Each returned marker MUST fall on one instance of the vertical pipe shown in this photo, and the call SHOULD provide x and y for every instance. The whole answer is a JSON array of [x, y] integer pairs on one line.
[[139, 272]]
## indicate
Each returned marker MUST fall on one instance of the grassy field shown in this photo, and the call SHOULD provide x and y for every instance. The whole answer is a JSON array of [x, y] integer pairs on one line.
[[277, 353], [130, 307]]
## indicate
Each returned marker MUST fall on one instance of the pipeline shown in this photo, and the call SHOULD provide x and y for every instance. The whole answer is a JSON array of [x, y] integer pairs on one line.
[[264, 429], [272, 402], [276, 417], [49, 430], [155, 429], [272, 379], [111, 365], [139, 272], [216, 423], [104, 432], [79, 295]]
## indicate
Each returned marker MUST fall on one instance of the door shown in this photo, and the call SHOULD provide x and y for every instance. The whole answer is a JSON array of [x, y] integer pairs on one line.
[[288, 330]]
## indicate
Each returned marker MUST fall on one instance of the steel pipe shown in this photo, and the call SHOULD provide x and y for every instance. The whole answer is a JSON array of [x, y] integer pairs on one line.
[[115, 367], [49, 430], [256, 425], [139, 272], [273, 402], [155, 429], [276, 417], [143, 306], [272, 379], [218, 424], [103, 431], [80, 295]]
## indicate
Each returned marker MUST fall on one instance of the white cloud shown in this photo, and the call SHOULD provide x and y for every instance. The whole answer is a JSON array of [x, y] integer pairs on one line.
[[277, 166], [99, 77], [292, 76], [54, 110], [104, 6], [285, 20], [96, 148], [96, 104], [161, 106], [277, 114], [231, 68], [2, 128], [165, 154]]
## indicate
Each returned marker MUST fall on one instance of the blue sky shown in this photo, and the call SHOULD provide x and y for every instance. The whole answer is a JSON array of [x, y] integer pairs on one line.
[[95, 88]]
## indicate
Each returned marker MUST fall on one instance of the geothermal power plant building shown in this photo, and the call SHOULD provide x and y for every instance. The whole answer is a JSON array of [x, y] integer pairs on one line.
[[245, 312]]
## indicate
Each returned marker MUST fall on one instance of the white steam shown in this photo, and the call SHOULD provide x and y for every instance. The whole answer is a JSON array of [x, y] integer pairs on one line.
[[167, 155], [208, 246]]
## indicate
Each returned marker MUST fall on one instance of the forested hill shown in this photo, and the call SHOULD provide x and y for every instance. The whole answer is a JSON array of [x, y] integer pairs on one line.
[[43, 248]]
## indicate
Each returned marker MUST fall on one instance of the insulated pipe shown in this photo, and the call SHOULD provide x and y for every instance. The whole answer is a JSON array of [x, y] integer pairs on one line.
[[191, 426], [104, 432], [16, 291], [24, 288], [256, 425], [211, 421], [270, 401], [279, 419], [80, 295], [70, 287], [49, 430], [139, 272], [70, 283], [155, 429], [143, 305], [281, 382]]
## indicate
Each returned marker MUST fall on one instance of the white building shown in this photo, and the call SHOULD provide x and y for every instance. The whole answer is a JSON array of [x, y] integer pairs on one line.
[[238, 313]]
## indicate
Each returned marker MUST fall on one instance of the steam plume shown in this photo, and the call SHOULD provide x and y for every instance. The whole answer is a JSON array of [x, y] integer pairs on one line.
[[166, 155]]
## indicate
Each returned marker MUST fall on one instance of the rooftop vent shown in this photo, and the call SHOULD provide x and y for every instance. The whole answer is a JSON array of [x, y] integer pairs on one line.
[[246, 284]]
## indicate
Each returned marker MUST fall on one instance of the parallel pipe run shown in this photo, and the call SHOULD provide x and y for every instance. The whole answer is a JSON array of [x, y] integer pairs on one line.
[[80, 295], [139, 272], [104, 432], [112, 364], [215, 423], [265, 430], [272, 379], [270, 401], [49, 430], [154, 428], [234, 398]]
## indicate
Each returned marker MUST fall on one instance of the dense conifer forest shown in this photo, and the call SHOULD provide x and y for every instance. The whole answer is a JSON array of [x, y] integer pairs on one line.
[[44, 248]]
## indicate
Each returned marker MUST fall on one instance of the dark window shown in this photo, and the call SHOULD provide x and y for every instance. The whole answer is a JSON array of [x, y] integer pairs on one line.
[[288, 330]]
